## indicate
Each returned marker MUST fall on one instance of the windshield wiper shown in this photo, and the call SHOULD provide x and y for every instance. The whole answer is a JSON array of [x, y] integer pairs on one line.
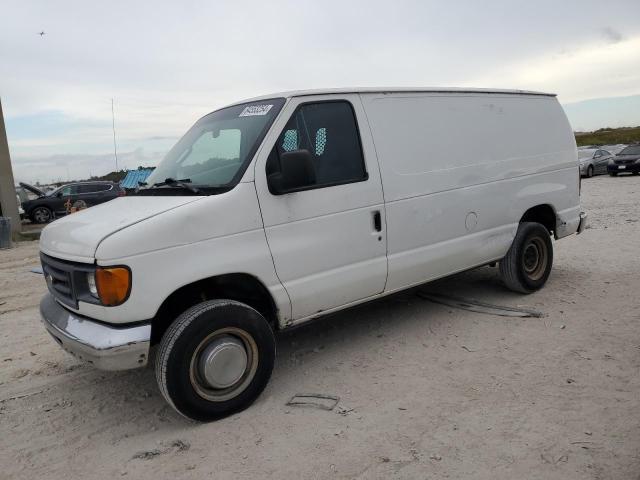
[[172, 182]]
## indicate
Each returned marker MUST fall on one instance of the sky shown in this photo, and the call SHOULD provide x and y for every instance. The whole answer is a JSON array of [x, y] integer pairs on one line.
[[167, 63]]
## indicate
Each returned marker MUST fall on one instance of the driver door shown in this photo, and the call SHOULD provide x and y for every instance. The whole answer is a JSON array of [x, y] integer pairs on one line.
[[601, 161], [328, 240]]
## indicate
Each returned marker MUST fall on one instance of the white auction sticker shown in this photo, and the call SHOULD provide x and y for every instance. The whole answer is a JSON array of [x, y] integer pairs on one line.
[[255, 110]]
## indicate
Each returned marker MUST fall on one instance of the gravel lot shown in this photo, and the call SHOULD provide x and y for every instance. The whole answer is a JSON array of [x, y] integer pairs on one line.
[[426, 390]]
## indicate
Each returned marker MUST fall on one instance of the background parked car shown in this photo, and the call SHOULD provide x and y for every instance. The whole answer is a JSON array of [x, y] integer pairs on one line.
[[614, 149], [593, 161], [20, 209], [627, 161], [61, 200]]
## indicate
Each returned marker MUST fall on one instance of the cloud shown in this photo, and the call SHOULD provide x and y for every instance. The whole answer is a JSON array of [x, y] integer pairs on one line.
[[612, 35], [168, 63], [81, 166], [613, 112], [588, 71]]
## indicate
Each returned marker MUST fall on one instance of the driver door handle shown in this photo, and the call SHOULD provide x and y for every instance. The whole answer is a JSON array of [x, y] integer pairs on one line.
[[377, 221]]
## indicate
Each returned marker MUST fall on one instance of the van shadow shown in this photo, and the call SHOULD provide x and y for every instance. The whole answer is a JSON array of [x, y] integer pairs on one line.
[[395, 314]]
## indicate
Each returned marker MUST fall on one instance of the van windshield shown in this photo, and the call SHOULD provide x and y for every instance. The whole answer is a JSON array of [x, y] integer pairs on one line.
[[217, 149]]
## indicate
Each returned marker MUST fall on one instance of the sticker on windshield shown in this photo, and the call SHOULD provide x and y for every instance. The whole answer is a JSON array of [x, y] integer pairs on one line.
[[255, 110]]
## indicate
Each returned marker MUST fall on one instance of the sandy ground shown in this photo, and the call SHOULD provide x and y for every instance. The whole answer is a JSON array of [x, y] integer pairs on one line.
[[426, 391]]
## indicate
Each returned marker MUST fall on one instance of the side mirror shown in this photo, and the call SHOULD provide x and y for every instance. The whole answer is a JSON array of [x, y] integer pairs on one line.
[[296, 171], [59, 194]]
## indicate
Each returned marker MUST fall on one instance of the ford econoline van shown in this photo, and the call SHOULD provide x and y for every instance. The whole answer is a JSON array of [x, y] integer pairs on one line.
[[277, 210]]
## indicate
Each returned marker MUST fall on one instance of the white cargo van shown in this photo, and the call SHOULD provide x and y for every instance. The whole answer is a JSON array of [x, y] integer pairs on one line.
[[284, 208]]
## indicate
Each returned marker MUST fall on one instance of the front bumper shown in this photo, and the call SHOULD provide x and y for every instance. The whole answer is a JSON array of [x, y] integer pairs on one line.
[[628, 168], [583, 169], [103, 346]]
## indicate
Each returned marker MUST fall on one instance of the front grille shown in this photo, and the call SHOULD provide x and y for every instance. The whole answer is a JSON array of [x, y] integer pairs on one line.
[[625, 162], [64, 279]]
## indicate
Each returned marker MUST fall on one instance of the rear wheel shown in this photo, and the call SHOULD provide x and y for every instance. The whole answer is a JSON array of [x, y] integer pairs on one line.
[[527, 265], [215, 359], [41, 215], [590, 171]]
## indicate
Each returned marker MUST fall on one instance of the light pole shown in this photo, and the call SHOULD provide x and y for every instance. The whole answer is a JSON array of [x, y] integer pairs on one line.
[[113, 124]]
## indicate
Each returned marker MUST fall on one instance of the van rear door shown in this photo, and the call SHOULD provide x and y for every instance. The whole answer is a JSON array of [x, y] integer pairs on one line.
[[328, 239]]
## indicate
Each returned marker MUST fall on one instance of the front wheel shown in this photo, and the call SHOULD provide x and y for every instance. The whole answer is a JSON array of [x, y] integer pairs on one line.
[[527, 265], [590, 171], [215, 359], [613, 174], [41, 215]]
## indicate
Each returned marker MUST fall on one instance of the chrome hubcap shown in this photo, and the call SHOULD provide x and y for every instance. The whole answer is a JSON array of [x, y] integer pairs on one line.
[[223, 362]]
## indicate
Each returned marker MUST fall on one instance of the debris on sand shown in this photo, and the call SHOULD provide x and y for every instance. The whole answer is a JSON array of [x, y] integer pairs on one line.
[[174, 446], [315, 400], [480, 307], [344, 411], [148, 455]]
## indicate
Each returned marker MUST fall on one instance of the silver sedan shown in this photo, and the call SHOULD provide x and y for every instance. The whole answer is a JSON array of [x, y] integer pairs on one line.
[[593, 161]]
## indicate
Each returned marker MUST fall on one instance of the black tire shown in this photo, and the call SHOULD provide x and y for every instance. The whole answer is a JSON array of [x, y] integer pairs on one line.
[[179, 362], [590, 171], [613, 174], [527, 265], [41, 215]]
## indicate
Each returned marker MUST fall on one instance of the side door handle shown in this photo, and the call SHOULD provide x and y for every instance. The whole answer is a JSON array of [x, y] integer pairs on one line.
[[377, 221]]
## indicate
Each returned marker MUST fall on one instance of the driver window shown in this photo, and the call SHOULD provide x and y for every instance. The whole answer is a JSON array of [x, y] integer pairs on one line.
[[328, 130]]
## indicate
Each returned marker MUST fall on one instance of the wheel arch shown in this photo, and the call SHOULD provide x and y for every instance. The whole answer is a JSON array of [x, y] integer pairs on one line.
[[543, 214], [241, 287]]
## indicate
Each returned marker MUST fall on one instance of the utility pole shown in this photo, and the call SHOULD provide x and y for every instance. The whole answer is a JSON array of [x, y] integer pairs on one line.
[[8, 201], [113, 124]]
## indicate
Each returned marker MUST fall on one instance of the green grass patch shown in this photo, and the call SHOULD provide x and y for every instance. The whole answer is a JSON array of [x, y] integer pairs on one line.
[[608, 136]]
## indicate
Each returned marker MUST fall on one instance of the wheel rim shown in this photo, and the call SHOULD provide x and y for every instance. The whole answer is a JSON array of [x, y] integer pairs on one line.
[[590, 171], [42, 215], [534, 258], [223, 364]]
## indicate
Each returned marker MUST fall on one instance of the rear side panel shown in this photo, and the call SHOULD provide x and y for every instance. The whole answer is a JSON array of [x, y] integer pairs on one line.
[[459, 171]]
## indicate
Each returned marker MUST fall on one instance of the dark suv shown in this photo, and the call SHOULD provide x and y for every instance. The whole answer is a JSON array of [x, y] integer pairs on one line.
[[626, 161], [68, 198]]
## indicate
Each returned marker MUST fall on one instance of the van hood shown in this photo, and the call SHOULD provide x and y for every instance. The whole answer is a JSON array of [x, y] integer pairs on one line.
[[76, 236]]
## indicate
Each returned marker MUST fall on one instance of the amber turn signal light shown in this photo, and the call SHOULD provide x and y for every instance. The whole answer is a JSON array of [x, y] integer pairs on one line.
[[113, 285]]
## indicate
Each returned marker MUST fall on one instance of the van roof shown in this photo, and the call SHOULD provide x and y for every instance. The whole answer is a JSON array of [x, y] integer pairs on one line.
[[328, 91]]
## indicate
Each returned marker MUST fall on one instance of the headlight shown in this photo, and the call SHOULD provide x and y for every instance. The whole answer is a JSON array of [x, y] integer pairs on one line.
[[91, 282], [112, 285]]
